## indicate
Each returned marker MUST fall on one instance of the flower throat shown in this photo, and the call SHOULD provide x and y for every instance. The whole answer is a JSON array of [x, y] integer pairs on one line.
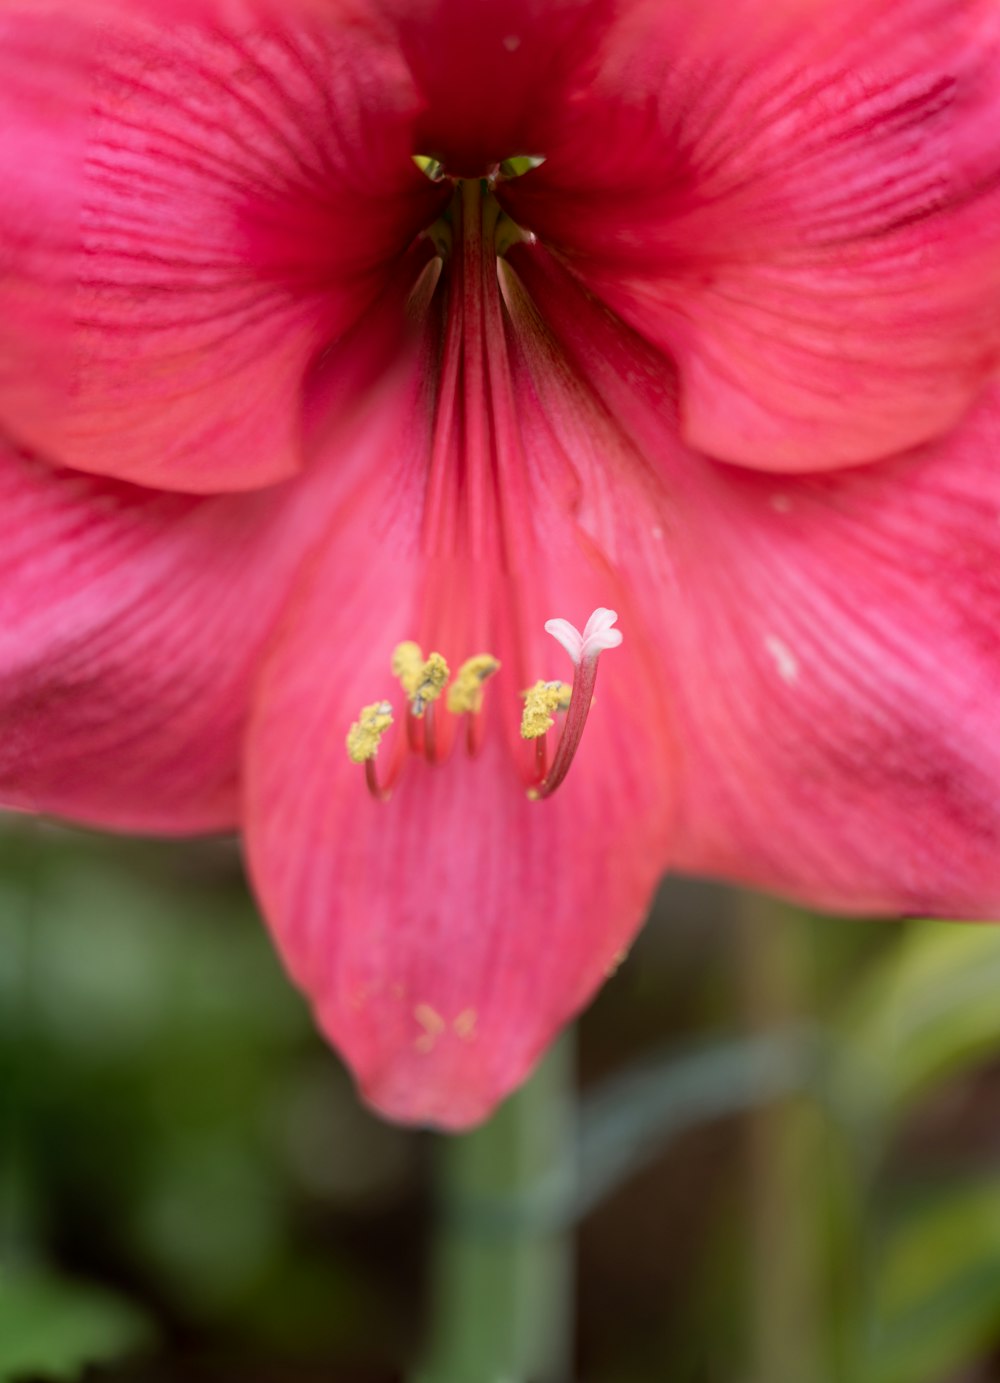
[[467, 511]]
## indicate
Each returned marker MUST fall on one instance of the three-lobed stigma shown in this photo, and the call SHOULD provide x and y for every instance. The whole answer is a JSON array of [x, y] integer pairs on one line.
[[425, 680]]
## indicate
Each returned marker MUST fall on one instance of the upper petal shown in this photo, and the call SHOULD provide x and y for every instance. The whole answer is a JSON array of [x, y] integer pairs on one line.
[[197, 200], [799, 204], [483, 69]]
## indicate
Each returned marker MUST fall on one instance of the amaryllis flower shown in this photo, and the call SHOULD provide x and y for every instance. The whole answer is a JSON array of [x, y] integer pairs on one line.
[[369, 369]]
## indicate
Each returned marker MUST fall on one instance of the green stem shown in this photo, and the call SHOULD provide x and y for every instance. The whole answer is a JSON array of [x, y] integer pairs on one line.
[[785, 1161], [502, 1278]]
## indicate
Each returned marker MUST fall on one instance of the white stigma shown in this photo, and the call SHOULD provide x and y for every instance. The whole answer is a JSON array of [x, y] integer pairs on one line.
[[598, 634]]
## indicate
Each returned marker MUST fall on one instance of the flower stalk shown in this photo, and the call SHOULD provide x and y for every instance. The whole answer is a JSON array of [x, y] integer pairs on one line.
[[502, 1288]]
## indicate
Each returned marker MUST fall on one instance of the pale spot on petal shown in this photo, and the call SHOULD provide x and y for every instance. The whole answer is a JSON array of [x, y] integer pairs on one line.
[[784, 659], [433, 1026], [465, 1024]]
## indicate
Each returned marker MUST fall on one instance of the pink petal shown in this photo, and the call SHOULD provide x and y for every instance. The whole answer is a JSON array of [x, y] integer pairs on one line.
[[830, 642], [194, 207], [130, 625], [838, 679], [482, 68], [799, 205], [132, 622], [445, 935]]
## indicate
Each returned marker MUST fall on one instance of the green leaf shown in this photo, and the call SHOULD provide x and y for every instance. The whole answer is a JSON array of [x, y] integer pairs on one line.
[[937, 1302], [929, 1009], [52, 1328]]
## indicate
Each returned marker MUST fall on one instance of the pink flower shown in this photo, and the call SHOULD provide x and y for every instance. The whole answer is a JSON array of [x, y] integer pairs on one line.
[[283, 413]]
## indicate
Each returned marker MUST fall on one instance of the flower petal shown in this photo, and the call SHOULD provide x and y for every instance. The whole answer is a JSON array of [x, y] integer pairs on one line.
[[132, 622], [193, 208], [446, 934], [130, 626], [838, 679], [830, 642], [482, 67], [800, 205]]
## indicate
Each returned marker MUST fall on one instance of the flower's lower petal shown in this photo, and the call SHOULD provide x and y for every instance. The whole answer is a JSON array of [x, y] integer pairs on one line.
[[798, 203], [130, 626], [445, 935], [195, 204], [836, 647]]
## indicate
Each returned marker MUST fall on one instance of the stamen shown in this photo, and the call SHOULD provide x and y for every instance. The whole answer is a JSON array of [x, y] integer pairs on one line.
[[430, 736], [432, 681], [539, 703], [465, 695], [366, 733], [422, 681], [425, 681], [407, 660], [364, 738], [430, 166], [520, 164], [585, 649]]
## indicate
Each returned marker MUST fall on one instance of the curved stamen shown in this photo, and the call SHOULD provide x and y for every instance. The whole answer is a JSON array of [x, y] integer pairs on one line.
[[363, 740], [465, 697]]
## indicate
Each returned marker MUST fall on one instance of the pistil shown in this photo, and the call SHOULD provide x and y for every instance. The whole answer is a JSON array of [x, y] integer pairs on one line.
[[585, 649], [572, 731]]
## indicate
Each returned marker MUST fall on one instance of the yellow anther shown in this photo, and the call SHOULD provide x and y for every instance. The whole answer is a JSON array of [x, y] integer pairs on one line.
[[565, 694], [407, 662], [422, 680], [466, 692], [540, 701], [366, 733], [432, 681]]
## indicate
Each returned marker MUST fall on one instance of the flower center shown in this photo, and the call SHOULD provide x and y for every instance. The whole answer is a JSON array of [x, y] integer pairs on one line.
[[426, 680], [515, 167], [485, 545]]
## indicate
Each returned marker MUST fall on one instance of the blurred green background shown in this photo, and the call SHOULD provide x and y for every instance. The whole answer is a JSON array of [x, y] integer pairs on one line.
[[769, 1154]]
